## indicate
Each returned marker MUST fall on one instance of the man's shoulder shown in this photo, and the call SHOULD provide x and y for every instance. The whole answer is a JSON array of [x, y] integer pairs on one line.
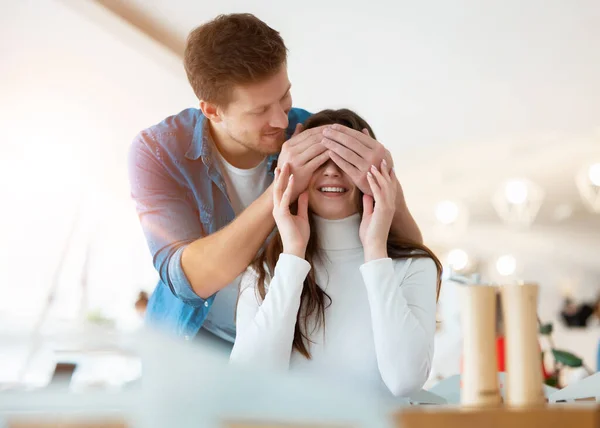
[[174, 133], [298, 115]]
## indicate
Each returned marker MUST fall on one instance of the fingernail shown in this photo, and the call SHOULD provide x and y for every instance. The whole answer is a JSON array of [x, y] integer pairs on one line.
[[369, 174], [291, 176], [384, 162], [373, 167]]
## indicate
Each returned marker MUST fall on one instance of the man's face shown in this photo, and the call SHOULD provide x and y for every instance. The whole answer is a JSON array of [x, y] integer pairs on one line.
[[257, 115]]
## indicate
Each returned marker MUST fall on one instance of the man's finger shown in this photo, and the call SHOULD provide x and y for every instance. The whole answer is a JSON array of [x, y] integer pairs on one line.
[[348, 141], [310, 152], [306, 134], [317, 161], [347, 154], [364, 139], [308, 143], [298, 129], [353, 172]]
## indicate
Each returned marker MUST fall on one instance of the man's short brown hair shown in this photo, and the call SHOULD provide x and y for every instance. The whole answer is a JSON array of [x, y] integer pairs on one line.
[[231, 50]]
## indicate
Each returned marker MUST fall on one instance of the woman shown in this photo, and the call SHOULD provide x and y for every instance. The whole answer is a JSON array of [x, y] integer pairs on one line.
[[334, 292]]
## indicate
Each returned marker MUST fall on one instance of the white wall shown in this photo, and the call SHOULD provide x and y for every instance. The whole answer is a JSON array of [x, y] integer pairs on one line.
[[73, 97]]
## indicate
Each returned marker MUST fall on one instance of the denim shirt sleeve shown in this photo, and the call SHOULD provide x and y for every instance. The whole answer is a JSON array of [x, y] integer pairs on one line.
[[169, 220]]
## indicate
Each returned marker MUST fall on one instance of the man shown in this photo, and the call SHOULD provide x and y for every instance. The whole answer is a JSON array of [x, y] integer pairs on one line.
[[201, 179]]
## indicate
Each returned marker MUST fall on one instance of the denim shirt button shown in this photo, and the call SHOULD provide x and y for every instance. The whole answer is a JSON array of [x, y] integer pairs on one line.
[[206, 304]]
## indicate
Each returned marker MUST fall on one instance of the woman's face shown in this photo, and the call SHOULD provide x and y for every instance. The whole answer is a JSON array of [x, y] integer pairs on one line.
[[331, 193]]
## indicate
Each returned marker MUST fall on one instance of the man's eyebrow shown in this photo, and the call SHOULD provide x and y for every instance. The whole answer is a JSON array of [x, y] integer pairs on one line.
[[266, 105]]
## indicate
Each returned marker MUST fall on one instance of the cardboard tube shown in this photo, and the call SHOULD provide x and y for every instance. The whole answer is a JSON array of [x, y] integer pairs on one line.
[[523, 355], [478, 318]]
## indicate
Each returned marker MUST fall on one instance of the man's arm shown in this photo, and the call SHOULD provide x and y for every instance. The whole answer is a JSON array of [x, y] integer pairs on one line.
[[212, 262], [354, 152], [404, 224], [191, 263]]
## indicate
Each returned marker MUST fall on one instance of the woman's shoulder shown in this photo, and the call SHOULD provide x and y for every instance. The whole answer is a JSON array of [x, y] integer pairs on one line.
[[250, 277], [403, 266]]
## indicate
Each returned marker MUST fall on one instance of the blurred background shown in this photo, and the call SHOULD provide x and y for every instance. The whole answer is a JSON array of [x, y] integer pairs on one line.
[[491, 111]]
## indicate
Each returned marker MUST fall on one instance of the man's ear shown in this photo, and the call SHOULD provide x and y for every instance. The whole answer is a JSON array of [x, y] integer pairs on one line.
[[211, 111]]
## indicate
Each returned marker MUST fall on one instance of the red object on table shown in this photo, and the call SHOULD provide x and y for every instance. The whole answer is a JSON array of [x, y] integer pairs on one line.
[[500, 355]]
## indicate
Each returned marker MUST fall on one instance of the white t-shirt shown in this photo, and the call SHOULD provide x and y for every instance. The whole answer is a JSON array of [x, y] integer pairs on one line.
[[243, 186]]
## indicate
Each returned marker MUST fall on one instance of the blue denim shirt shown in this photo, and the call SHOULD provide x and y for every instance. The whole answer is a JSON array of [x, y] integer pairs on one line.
[[180, 197]]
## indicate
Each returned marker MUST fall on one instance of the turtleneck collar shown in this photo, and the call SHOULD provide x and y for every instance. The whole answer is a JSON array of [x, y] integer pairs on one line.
[[338, 234]]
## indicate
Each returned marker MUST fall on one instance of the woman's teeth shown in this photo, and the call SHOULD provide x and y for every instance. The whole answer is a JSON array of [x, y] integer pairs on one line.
[[332, 189]]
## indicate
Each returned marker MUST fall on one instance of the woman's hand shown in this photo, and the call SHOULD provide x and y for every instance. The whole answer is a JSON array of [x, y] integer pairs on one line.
[[294, 229], [378, 212]]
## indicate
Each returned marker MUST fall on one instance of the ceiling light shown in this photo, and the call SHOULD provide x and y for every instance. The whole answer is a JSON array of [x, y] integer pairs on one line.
[[594, 174], [447, 212], [588, 184], [458, 259], [518, 202], [506, 265], [516, 192], [563, 212]]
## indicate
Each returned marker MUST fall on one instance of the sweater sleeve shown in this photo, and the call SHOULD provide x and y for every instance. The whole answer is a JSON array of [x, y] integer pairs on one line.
[[265, 332], [403, 311]]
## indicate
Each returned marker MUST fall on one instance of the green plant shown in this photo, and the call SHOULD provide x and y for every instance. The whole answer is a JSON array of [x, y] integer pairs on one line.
[[97, 317], [561, 357]]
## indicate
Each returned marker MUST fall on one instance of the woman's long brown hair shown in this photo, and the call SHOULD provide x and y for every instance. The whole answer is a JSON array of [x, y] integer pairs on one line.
[[314, 300]]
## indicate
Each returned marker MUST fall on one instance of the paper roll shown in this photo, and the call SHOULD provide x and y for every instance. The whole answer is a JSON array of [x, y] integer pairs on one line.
[[478, 318], [523, 355]]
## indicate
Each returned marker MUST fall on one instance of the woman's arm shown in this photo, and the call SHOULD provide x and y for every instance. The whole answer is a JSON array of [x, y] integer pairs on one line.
[[403, 310], [265, 332]]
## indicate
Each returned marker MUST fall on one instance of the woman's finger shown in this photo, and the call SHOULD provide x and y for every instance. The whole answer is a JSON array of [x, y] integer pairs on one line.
[[367, 205], [303, 205], [385, 171], [374, 185], [276, 192], [381, 181], [389, 188], [280, 183], [287, 195]]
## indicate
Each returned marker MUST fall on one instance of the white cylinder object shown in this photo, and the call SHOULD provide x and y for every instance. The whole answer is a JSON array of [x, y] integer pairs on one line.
[[478, 319], [523, 355]]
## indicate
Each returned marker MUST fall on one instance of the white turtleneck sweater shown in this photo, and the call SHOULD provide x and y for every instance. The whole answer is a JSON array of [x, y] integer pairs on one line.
[[379, 328]]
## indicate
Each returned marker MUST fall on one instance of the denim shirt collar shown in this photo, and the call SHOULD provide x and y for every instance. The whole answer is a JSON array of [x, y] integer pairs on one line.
[[202, 147]]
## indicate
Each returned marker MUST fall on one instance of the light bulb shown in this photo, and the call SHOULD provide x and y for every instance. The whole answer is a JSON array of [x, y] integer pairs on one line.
[[506, 265], [594, 174], [446, 212], [516, 192], [458, 259]]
